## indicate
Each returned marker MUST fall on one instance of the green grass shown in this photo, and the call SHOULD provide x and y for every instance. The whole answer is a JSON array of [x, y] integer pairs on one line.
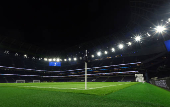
[[60, 95]]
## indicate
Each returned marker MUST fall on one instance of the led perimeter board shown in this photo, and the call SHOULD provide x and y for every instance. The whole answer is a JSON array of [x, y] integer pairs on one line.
[[54, 63], [167, 44]]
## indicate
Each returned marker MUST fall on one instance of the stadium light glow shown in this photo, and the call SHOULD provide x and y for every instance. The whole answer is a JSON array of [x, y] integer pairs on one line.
[[137, 38], [148, 34], [69, 59], [105, 52], [99, 53], [169, 20], [129, 43], [45, 59], [16, 54], [81, 58], [25, 56], [58, 59], [120, 46], [113, 49], [160, 29], [65, 59], [75, 59], [92, 56], [49, 59], [54, 59]]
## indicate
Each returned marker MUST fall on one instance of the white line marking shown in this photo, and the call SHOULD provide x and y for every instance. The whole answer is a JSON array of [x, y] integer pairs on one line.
[[73, 88]]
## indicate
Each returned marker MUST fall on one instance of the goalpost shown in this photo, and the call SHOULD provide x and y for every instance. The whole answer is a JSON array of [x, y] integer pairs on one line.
[[20, 81], [36, 81]]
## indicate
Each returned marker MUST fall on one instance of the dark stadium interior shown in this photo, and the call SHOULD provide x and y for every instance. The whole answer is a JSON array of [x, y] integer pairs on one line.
[[44, 31], [116, 39]]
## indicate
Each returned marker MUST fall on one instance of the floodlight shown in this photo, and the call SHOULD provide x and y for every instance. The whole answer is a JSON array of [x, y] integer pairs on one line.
[[80, 58], [33, 57], [16, 54], [129, 43], [54, 59], [98, 53], [137, 38], [92, 56], [169, 20], [160, 29], [58, 59], [75, 59], [49, 59], [69, 59], [25, 56], [105, 52], [45, 59], [148, 34], [65, 59], [120, 46], [113, 49]]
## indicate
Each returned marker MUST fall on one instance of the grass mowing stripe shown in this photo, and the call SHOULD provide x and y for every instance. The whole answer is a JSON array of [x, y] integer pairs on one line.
[[139, 95], [64, 87], [143, 94], [105, 89]]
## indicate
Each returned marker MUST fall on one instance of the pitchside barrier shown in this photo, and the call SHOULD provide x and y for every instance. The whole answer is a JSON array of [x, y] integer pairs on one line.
[[161, 82]]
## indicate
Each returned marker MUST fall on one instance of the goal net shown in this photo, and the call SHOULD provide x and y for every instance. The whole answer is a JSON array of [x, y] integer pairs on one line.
[[36, 81], [20, 81], [139, 78]]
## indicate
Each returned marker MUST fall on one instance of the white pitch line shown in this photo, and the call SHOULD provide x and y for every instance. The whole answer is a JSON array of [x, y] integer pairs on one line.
[[72, 88]]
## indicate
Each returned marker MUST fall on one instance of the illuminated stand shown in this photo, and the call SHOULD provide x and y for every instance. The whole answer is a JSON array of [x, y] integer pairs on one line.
[[139, 78], [86, 60]]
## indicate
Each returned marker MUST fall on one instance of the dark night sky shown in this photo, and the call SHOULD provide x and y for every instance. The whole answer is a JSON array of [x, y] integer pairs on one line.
[[61, 24]]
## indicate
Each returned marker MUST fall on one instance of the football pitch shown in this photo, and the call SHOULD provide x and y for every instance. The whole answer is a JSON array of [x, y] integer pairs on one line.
[[73, 94]]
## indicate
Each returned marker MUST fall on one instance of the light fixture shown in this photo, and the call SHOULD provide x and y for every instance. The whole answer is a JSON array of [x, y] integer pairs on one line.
[[80, 58], [137, 38], [160, 29], [69, 59], [99, 53], [58, 59], [120, 46], [113, 49], [16, 54], [49, 59], [25, 56], [92, 56], [65, 59], [75, 59], [54, 59], [148, 34], [129, 43], [105, 52], [45, 59]]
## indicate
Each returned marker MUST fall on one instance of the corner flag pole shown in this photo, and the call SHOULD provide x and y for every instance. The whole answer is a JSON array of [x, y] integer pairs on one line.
[[86, 70]]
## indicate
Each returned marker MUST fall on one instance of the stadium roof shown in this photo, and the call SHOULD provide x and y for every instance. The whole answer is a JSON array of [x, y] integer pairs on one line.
[[59, 27]]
